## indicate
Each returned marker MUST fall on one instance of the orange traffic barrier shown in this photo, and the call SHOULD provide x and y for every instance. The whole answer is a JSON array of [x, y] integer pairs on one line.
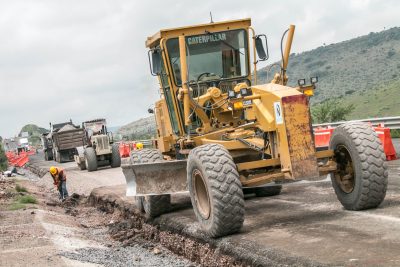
[[322, 136], [124, 150], [17, 160], [386, 139]]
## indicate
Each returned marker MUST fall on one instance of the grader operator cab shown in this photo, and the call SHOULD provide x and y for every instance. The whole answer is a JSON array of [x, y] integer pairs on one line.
[[223, 133], [100, 149]]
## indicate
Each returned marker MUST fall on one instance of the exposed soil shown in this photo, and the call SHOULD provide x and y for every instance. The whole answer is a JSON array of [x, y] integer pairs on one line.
[[69, 233]]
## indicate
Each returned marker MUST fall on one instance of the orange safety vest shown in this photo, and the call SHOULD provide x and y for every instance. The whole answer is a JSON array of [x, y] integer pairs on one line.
[[59, 176]]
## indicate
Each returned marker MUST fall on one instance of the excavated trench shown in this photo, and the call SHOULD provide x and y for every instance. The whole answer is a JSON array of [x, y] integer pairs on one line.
[[134, 227]]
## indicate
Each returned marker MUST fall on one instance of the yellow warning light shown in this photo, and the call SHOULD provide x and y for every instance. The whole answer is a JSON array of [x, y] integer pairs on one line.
[[238, 105], [309, 92]]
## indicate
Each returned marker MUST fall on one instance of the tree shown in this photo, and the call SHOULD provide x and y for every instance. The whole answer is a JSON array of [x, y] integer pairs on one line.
[[331, 111], [3, 159]]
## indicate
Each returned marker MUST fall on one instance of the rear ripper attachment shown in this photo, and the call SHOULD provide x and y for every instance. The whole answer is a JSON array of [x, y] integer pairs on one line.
[[220, 134]]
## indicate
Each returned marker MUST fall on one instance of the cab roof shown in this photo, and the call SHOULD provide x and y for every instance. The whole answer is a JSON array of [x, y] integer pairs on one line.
[[154, 40]]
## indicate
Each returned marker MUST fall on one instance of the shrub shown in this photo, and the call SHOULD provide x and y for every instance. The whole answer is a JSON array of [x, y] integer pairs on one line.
[[3, 159], [27, 199], [19, 188]]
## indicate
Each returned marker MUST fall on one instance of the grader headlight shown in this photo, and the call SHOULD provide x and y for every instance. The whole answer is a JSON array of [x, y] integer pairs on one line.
[[309, 92]]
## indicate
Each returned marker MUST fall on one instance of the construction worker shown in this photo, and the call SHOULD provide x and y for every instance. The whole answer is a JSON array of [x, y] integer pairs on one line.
[[60, 181], [139, 146]]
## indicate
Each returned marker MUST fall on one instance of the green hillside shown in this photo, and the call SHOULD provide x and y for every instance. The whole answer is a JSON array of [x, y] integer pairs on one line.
[[34, 132], [364, 71]]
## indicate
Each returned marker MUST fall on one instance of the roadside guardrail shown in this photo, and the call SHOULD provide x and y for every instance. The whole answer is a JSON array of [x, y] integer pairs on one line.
[[389, 122]]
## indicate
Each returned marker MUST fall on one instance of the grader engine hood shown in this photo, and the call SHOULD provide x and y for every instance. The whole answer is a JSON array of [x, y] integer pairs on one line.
[[285, 110]]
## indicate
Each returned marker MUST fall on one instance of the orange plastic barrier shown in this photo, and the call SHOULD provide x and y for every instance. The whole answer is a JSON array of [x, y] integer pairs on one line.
[[124, 150], [322, 136], [386, 139], [17, 160]]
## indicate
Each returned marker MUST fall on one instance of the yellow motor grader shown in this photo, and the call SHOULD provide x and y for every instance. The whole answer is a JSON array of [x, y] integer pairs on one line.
[[220, 133]]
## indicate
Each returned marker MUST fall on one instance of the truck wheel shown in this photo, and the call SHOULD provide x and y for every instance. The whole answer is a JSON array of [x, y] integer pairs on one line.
[[215, 190], [82, 166], [58, 157], [156, 205], [361, 178], [90, 159], [49, 155], [115, 157]]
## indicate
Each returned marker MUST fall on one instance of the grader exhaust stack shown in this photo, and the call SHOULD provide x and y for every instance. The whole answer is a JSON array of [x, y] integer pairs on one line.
[[219, 135]]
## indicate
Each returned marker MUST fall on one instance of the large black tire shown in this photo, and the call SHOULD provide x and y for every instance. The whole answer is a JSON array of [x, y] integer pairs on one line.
[[49, 155], [82, 166], [115, 156], [90, 159], [215, 190], [360, 181], [156, 205], [58, 157]]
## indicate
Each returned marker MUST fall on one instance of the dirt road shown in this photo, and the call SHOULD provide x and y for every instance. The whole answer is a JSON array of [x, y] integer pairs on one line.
[[304, 226], [70, 234]]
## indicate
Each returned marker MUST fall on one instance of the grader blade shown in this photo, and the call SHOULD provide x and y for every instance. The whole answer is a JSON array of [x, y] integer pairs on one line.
[[156, 178]]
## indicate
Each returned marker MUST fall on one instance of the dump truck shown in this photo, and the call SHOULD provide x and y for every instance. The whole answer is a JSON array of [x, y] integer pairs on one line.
[[221, 133], [47, 145], [100, 149], [65, 137]]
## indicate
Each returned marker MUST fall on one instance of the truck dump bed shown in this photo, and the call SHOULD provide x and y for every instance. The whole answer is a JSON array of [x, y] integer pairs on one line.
[[68, 137]]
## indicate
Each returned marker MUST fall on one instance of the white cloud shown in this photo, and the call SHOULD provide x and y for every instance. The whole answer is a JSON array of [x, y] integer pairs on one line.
[[86, 59]]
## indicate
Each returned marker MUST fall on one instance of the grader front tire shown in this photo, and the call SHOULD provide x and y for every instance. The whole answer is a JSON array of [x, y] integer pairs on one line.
[[215, 190], [360, 181], [156, 205]]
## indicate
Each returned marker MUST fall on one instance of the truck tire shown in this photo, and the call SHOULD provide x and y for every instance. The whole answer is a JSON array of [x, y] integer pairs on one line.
[[82, 166], [90, 159], [361, 178], [58, 157], [49, 155], [215, 190], [115, 156], [155, 205]]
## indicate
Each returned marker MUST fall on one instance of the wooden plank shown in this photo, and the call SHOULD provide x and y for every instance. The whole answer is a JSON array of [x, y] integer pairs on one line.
[[261, 179], [258, 164]]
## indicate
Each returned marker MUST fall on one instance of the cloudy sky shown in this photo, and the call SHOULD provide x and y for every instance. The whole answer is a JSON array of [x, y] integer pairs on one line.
[[86, 59]]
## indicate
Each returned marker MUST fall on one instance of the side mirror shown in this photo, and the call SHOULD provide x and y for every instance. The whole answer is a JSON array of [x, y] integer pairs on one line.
[[150, 110], [261, 52], [155, 61]]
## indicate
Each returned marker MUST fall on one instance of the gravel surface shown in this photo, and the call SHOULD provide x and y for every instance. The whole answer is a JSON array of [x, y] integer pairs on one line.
[[129, 256]]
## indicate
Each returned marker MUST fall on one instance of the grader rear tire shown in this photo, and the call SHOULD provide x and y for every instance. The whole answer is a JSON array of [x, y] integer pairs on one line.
[[156, 205], [215, 190], [360, 181]]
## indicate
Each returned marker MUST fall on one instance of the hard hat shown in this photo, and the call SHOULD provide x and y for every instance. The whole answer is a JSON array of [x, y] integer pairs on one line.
[[53, 170], [139, 145]]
